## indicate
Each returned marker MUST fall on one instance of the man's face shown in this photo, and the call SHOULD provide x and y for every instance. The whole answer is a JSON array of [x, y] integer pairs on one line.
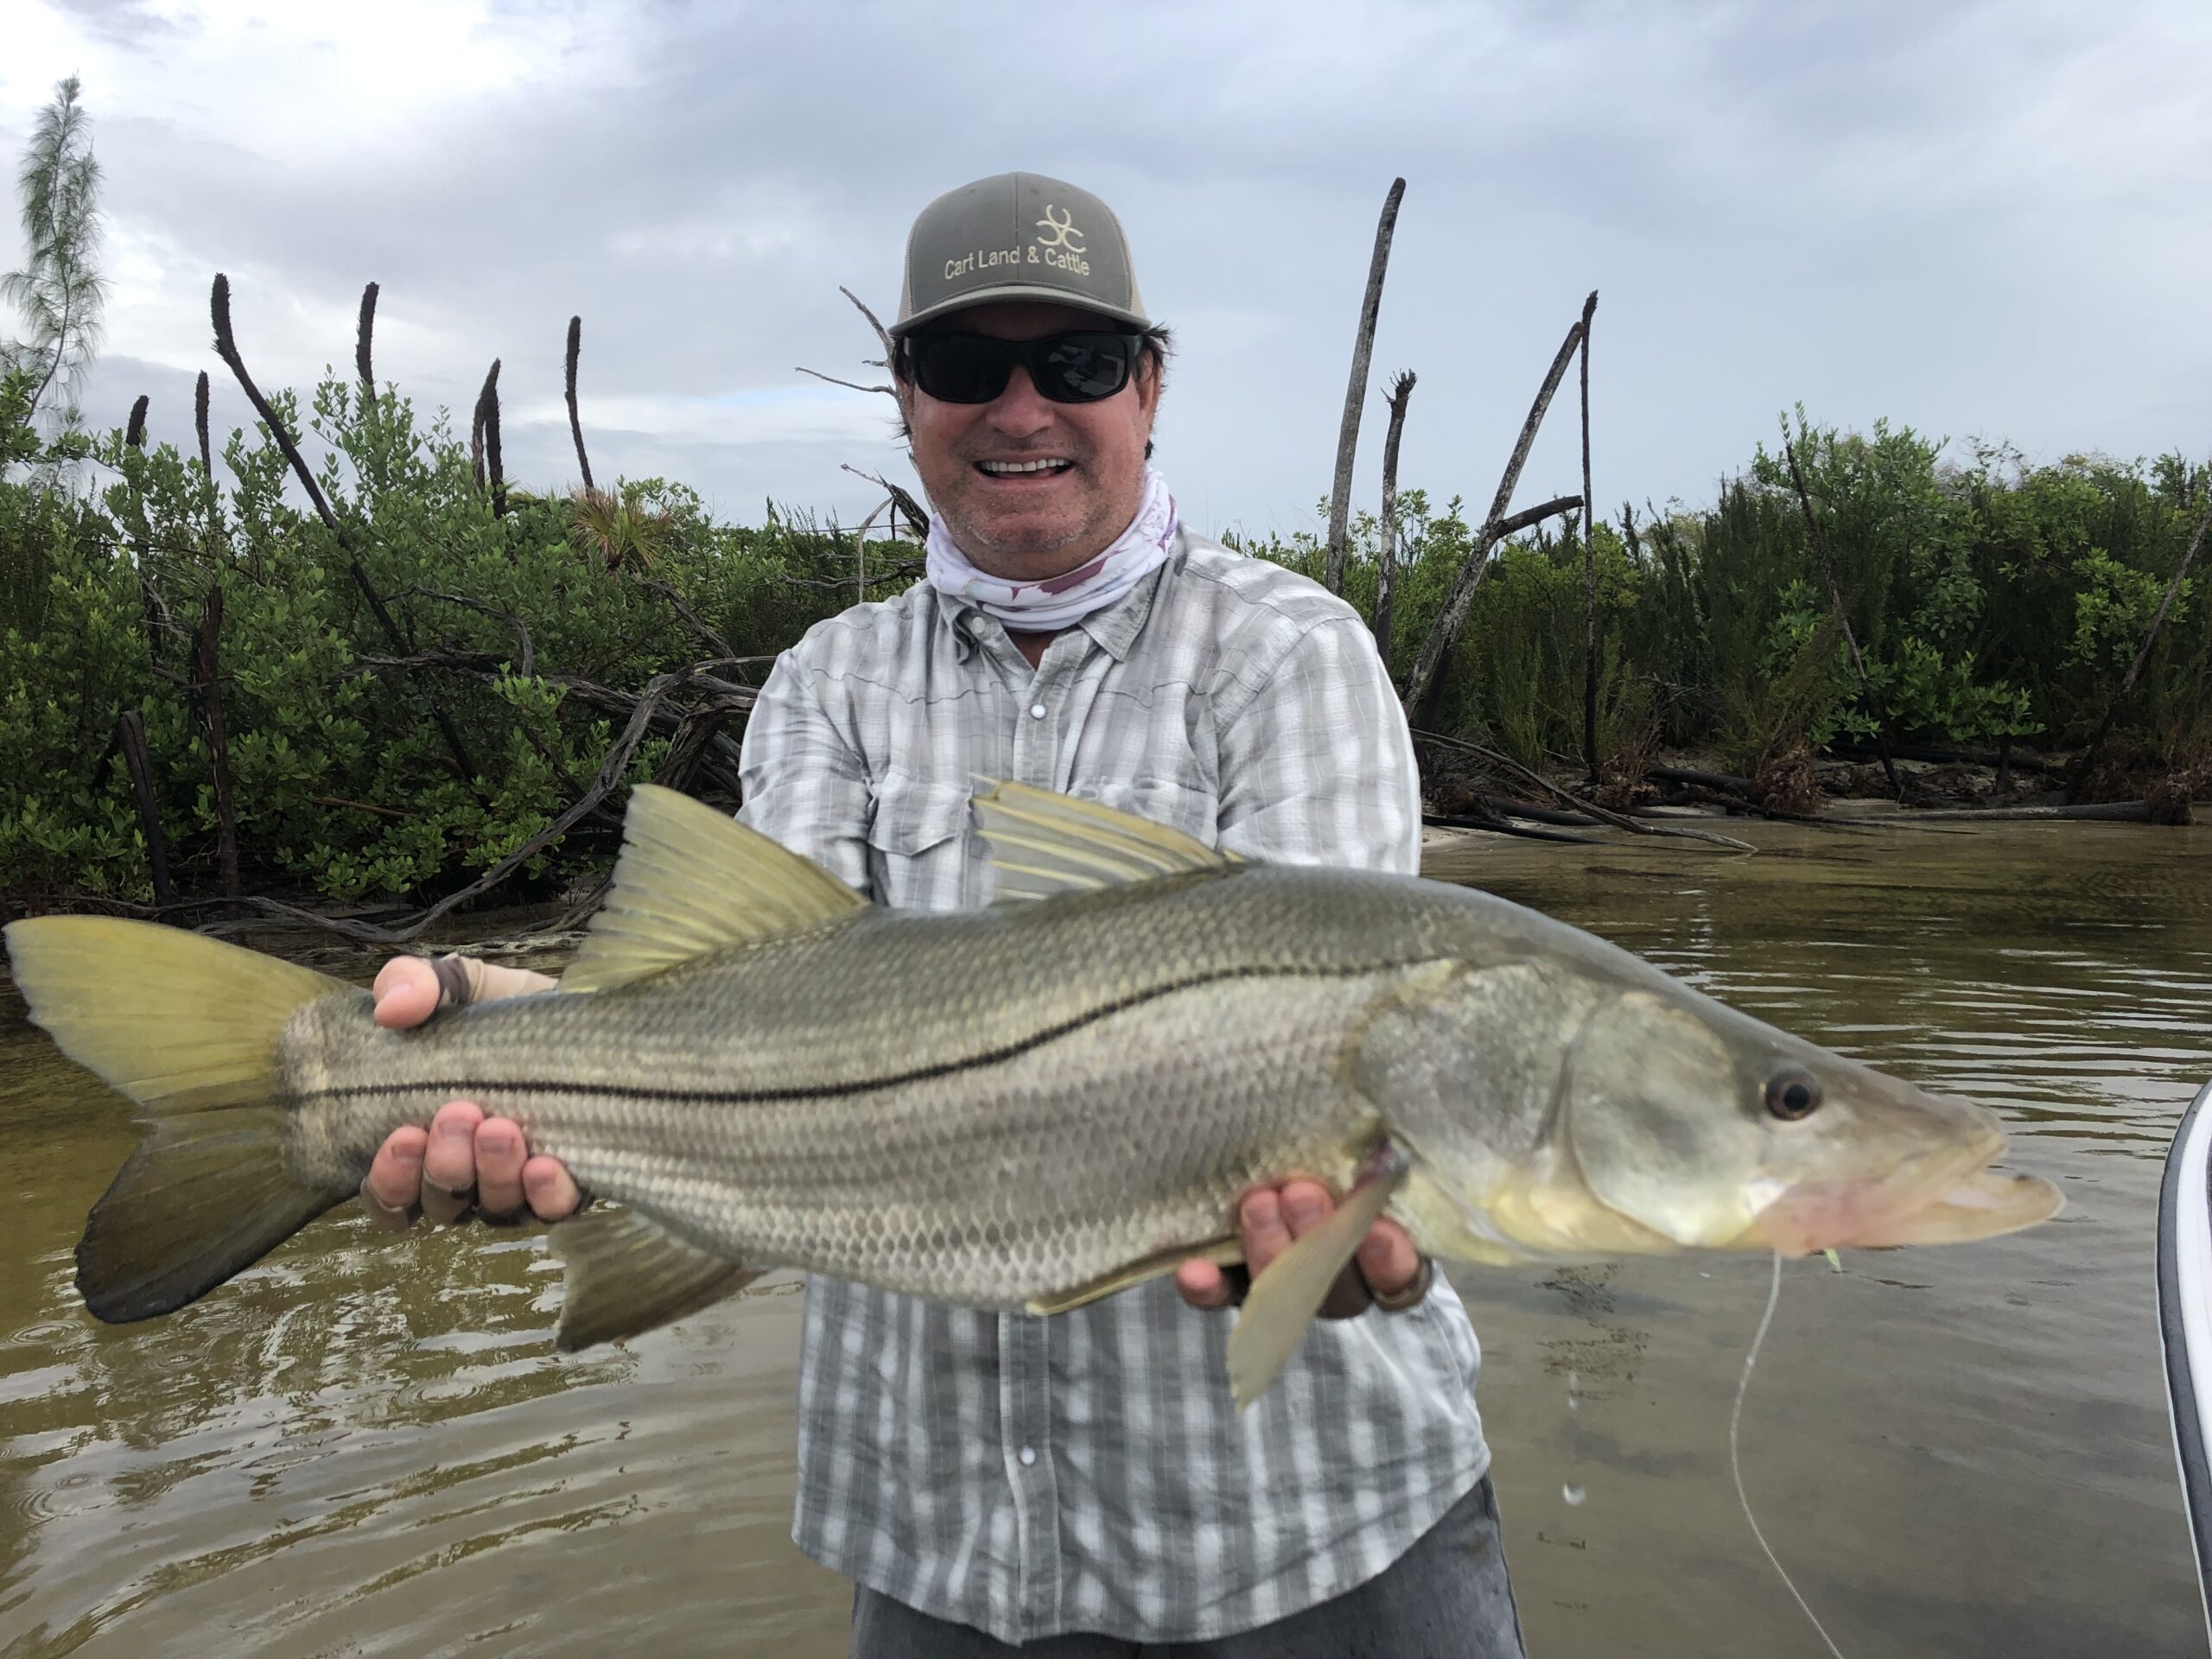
[[1030, 525]]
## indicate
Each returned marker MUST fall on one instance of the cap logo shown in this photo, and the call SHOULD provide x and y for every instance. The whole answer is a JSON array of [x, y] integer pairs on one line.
[[1063, 230]]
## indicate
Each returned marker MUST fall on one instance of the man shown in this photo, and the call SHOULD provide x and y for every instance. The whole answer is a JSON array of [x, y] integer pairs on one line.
[[1081, 1484]]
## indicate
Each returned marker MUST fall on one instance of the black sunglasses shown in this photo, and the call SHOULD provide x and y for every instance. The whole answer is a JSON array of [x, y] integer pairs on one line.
[[1080, 367]]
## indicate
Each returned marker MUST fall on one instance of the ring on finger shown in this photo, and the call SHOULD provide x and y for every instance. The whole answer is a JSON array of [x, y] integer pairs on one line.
[[385, 1216]]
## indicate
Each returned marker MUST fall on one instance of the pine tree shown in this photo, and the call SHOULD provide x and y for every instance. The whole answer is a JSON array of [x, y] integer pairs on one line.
[[60, 289]]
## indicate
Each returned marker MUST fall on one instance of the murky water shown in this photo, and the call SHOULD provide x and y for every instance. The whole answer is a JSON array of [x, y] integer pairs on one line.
[[367, 1446]]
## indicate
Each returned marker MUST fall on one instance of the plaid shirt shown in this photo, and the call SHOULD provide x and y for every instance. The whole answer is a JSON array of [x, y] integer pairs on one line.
[[1088, 1471]]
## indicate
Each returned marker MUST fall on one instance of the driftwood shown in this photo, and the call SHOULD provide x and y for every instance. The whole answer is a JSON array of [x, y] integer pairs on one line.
[[1589, 564], [2106, 811], [1386, 556], [227, 348], [2142, 656], [1619, 821], [1498, 826], [364, 334], [1820, 541], [568, 378], [1444, 633], [1363, 354]]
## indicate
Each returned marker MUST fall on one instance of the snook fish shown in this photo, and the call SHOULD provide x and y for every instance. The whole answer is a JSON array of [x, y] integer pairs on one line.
[[1027, 1107]]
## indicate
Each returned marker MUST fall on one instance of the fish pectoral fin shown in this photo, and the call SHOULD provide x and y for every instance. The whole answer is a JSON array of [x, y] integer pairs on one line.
[[627, 1274], [691, 881], [1223, 1252], [1286, 1295], [1043, 844]]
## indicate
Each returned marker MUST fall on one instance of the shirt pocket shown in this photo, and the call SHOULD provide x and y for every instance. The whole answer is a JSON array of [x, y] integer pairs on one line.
[[917, 843]]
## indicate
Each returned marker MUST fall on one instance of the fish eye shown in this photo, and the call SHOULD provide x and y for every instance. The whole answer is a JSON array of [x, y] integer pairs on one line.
[[1791, 1095]]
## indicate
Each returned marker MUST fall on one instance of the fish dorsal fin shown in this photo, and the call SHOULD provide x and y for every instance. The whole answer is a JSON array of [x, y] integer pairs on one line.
[[692, 881], [1043, 844]]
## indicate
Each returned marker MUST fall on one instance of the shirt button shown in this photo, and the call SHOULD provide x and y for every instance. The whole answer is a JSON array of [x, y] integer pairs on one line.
[[1028, 1455], [1036, 711]]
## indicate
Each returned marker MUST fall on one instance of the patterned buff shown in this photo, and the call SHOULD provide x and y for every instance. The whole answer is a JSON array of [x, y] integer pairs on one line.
[[1063, 600]]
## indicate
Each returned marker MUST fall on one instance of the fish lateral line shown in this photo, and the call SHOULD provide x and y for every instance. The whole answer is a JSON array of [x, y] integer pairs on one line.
[[577, 1089]]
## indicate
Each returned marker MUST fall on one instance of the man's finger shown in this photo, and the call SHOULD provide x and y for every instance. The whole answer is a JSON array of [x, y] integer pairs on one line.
[[406, 991], [1305, 1205], [1203, 1284], [449, 1161], [1388, 1260], [500, 1155], [552, 1191], [392, 1191], [1261, 1220]]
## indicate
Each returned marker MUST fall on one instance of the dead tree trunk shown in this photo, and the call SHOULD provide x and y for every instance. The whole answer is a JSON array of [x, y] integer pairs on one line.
[[1835, 598], [1444, 634], [1386, 572], [576, 425], [1363, 354], [149, 601], [487, 430], [1589, 565], [364, 338], [131, 737], [200, 424], [2142, 656]]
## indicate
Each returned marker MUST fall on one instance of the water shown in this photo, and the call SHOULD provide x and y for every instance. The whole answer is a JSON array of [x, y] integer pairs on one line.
[[367, 1446]]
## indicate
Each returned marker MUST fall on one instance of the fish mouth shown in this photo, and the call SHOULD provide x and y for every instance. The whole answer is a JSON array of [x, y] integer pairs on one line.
[[1938, 1199]]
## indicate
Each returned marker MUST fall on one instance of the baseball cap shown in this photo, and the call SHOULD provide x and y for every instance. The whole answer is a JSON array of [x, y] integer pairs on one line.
[[1017, 236]]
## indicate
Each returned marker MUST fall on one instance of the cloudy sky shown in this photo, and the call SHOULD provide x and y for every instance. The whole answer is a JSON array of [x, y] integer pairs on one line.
[[1976, 218]]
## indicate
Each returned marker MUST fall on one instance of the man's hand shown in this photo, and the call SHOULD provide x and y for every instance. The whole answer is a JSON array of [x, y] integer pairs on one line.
[[464, 1157], [1271, 1216]]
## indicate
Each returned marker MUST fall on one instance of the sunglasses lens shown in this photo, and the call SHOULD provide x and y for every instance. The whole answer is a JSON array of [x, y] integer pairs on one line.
[[1082, 368], [962, 368], [1072, 368]]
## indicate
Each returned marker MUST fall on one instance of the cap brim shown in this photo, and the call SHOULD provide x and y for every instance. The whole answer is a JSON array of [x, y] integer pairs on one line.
[[906, 325]]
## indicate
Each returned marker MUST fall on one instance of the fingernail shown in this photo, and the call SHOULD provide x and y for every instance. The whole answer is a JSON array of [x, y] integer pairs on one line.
[[1303, 1211], [457, 1131], [409, 1154], [497, 1142]]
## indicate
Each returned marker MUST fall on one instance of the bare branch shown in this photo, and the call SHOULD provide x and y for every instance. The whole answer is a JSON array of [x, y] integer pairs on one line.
[[1444, 634], [854, 385], [487, 424], [881, 333], [200, 424], [1401, 392], [364, 341], [1619, 821], [909, 509], [1589, 565], [227, 347], [1363, 354], [576, 425]]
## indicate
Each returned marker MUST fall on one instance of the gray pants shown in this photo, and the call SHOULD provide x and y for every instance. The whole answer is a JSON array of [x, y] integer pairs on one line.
[[1446, 1597]]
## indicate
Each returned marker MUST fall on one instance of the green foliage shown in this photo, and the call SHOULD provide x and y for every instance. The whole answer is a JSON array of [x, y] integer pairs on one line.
[[1991, 600], [342, 779]]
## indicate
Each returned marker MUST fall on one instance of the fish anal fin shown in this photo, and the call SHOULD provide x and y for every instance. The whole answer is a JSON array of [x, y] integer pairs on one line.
[[1289, 1292], [1223, 1252], [627, 1274], [691, 881], [1044, 843]]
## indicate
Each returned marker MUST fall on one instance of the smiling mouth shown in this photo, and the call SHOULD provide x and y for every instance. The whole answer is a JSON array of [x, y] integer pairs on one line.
[[1049, 467]]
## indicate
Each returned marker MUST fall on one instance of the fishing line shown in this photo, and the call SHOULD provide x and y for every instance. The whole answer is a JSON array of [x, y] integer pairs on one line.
[[1736, 1463]]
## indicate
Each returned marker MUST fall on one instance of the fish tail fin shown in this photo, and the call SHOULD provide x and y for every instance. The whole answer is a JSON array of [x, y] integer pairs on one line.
[[187, 1027]]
